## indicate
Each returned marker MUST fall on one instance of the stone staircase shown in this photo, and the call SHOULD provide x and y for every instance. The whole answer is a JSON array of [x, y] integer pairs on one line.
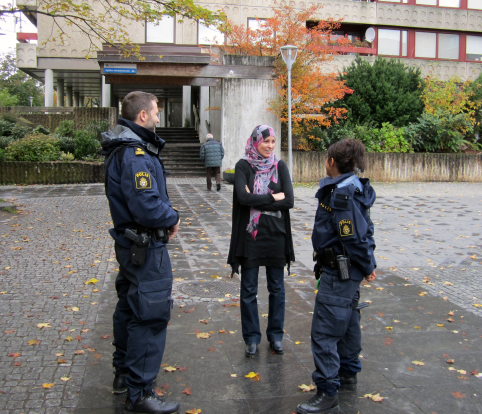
[[181, 153]]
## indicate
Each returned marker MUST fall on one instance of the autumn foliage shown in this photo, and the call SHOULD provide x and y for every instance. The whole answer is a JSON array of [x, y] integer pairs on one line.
[[313, 87]]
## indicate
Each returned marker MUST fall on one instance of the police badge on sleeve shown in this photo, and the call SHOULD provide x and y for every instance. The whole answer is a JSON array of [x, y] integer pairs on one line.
[[143, 181], [346, 228]]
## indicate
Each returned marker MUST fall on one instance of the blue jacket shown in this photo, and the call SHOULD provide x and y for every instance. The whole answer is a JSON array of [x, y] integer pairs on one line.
[[136, 184], [343, 220], [212, 153]]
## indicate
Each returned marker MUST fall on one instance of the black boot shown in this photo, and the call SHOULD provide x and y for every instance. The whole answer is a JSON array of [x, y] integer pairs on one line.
[[151, 403], [277, 347], [320, 404], [348, 382], [119, 385], [251, 350], [218, 187]]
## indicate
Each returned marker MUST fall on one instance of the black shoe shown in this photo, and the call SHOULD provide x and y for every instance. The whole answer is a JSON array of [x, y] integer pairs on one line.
[[251, 350], [218, 187], [320, 404], [151, 403], [277, 347], [348, 382], [119, 385]]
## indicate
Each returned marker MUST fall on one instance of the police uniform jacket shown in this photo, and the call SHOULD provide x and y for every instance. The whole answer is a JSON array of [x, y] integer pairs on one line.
[[135, 182], [343, 222]]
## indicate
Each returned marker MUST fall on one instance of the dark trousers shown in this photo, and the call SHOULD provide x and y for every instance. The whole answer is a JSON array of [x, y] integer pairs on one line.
[[213, 172], [141, 317], [249, 304], [335, 332]]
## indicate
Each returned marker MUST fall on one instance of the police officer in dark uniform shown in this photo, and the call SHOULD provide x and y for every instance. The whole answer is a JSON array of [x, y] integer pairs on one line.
[[144, 222], [343, 246]]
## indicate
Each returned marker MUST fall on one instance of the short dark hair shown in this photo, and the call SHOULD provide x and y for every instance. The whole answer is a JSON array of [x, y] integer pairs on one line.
[[349, 155], [135, 102]]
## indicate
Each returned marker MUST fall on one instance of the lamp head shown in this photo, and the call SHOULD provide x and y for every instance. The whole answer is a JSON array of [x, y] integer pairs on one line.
[[289, 53]]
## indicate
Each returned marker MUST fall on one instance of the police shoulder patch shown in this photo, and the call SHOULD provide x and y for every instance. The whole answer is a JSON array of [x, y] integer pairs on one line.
[[143, 181], [346, 228], [139, 151]]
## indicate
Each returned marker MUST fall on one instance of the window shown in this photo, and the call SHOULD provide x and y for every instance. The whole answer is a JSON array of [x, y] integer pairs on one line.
[[209, 35], [161, 31], [474, 4], [392, 42], [425, 45], [254, 24], [441, 3], [448, 46], [395, 1], [474, 48]]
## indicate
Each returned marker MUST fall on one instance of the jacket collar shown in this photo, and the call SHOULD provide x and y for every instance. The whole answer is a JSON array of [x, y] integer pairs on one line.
[[324, 182], [143, 133]]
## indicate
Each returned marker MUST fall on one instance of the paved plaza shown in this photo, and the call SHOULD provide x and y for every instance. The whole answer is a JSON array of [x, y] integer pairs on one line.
[[422, 338]]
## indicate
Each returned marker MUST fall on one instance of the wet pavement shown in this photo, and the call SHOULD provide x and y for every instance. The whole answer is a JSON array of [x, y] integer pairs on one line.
[[421, 311]]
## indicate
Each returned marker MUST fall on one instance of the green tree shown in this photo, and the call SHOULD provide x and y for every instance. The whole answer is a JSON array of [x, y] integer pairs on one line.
[[6, 99], [387, 91], [18, 83]]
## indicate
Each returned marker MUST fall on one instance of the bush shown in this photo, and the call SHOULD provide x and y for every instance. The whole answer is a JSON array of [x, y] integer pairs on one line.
[[5, 142], [96, 127], [41, 130], [66, 144], [6, 127], [86, 144], [2, 155], [65, 129], [36, 147], [20, 131], [66, 156]]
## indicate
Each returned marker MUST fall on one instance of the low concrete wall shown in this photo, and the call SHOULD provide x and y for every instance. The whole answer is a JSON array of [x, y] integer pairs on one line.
[[19, 172], [392, 167]]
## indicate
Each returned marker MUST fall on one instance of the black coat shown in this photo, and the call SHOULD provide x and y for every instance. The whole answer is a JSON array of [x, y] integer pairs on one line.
[[242, 203]]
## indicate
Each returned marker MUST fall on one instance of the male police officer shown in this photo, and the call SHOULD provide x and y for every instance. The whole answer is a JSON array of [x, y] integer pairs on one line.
[[144, 221]]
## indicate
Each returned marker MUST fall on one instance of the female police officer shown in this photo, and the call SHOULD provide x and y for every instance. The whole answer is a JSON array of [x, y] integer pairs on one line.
[[343, 249]]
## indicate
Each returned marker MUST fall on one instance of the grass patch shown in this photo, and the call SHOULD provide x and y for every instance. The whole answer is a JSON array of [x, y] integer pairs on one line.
[[305, 185]]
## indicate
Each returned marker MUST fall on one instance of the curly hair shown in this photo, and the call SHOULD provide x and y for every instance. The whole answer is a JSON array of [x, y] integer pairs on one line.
[[349, 155]]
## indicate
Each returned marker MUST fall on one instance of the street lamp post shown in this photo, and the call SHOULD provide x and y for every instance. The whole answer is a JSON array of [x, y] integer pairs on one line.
[[289, 53]]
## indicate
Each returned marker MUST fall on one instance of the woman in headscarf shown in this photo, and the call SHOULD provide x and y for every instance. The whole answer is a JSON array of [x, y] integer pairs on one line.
[[261, 235]]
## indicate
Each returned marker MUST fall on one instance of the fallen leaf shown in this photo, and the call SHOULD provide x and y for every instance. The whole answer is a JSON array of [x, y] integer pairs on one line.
[[33, 342], [450, 319], [450, 361], [75, 309], [476, 372], [234, 375], [14, 354], [69, 338], [203, 335], [373, 397], [59, 354], [170, 369], [61, 361], [461, 371], [253, 375], [458, 394], [9, 332], [187, 391], [182, 369], [43, 325], [389, 328], [47, 386], [193, 411], [440, 325], [306, 388], [79, 352], [189, 311], [203, 321], [418, 363], [264, 315], [64, 378], [212, 349]]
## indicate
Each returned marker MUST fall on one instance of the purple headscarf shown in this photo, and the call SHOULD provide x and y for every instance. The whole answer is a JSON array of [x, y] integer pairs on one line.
[[266, 170]]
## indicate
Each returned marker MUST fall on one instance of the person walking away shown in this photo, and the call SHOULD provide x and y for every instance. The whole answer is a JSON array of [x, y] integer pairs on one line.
[[144, 222], [343, 245], [261, 235], [212, 153]]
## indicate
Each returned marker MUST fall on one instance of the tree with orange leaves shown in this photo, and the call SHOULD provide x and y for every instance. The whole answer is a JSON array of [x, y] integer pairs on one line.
[[312, 87]]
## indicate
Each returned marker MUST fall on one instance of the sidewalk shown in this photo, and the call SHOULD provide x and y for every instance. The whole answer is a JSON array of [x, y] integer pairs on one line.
[[428, 251]]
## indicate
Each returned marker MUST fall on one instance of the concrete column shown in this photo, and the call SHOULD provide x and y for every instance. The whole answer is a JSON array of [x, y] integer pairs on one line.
[[215, 118], [60, 92], [168, 109], [186, 107], [204, 113], [68, 96], [76, 99], [49, 87], [81, 101], [105, 93]]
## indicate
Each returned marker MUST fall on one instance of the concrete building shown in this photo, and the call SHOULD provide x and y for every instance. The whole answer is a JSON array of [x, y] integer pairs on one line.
[[443, 37]]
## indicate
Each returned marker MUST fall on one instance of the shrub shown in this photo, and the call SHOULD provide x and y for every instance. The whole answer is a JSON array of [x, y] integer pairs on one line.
[[6, 141], [6, 127], [86, 144], [65, 129], [96, 127], [20, 131], [34, 147], [41, 130], [66, 156], [2, 155], [66, 144]]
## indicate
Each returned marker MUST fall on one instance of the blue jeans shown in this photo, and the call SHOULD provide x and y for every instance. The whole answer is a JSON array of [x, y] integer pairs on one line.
[[141, 317], [335, 332], [249, 305]]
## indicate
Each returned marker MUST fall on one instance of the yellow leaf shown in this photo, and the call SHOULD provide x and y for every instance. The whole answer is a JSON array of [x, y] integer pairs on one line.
[[306, 388], [452, 369], [298, 342], [418, 363], [43, 325], [92, 281], [64, 378], [389, 328], [374, 397], [234, 375], [193, 411], [417, 327], [59, 354], [170, 369], [461, 371], [69, 338], [75, 309], [440, 325], [3, 293], [47, 386], [253, 375], [95, 290], [203, 335], [447, 283], [264, 315], [33, 342], [379, 288]]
